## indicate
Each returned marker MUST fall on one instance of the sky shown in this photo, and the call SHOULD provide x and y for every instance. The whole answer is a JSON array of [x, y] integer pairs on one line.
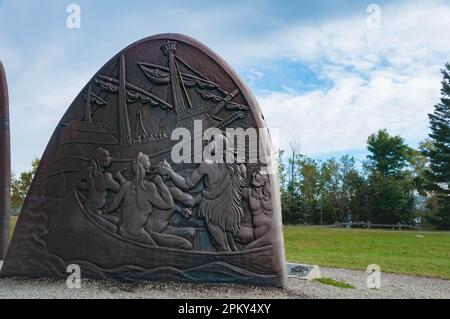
[[325, 73]]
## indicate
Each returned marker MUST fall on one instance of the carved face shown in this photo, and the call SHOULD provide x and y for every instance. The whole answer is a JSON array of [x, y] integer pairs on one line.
[[147, 164], [144, 160], [258, 180], [103, 158]]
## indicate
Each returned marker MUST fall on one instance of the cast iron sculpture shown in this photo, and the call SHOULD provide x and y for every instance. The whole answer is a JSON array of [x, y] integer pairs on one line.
[[109, 196]]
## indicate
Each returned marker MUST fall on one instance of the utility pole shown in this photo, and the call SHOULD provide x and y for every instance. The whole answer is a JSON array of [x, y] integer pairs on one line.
[[5, 165]]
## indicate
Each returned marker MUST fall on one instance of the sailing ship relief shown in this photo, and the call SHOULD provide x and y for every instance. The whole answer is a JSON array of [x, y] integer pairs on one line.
[[108, 197]]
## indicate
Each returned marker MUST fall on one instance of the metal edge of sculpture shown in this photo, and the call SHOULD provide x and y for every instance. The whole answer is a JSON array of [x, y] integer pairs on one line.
[[5, 164], [108, 197]]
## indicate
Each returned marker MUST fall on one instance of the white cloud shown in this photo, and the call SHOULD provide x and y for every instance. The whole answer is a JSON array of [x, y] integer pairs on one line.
[[341, 118], [386, 78]]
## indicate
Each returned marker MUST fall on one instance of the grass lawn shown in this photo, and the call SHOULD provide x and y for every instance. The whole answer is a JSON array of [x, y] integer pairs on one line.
[[409, 252]]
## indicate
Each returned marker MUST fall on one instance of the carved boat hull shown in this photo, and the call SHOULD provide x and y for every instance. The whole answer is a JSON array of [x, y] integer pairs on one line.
[[84, 244]]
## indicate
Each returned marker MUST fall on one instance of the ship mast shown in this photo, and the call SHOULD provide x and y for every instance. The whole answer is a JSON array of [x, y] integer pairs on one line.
[[123, 120], [176, 83]]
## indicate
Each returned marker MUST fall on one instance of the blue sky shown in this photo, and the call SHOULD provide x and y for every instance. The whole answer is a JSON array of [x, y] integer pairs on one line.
[[322, 76]]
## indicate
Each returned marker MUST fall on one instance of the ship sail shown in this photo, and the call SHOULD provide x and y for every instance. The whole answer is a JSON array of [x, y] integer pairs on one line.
[[177, 99], [156, 75]]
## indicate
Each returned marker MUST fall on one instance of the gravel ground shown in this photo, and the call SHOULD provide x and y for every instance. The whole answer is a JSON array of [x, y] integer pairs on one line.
[[392, 286]]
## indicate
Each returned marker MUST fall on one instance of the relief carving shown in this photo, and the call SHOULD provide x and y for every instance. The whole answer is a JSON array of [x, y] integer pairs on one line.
[[110, 197]]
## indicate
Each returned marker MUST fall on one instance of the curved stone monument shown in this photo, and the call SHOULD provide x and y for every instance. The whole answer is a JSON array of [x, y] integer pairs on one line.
[[144, 177]]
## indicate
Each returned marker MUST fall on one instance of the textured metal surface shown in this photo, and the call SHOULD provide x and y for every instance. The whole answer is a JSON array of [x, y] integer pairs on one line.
[[109, 196], [5, 165]]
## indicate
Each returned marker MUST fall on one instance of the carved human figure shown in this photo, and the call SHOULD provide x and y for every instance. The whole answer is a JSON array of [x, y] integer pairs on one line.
[[137, 199], [158, 221], [97, 182], [261, 207], [223, 187]]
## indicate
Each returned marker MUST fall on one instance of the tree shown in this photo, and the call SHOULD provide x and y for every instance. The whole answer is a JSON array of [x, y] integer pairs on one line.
[[426, 199], [342, 190], [281, 171], [309, 190], [359, 191], [391, 186], [329, 191], [352, 194], [389, 154], [288, 175], [391, 199], [20, 185], [285, 198], [439, 154], [292, 187], [420, 165]]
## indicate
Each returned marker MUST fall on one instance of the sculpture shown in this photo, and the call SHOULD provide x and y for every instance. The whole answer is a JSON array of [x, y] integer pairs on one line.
[[110, 197], [5, 166], [221, 196]]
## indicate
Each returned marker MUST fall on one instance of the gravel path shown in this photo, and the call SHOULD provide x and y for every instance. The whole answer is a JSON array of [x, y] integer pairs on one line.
[[392, 286]]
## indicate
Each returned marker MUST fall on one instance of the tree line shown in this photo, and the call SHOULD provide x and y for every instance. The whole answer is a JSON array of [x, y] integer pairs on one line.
[[395, 184], [384, 189]]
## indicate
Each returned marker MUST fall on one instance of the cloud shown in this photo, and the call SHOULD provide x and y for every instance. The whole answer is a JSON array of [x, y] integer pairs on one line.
[[341, 118], [358, 79], [384, 78]]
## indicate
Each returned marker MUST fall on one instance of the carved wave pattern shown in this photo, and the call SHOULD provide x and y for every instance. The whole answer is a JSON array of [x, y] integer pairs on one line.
[[30, 255], [32, 258], [215, 271]]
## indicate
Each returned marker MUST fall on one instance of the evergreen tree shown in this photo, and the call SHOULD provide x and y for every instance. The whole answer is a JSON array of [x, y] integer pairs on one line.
[[389, 155], [439, 154]]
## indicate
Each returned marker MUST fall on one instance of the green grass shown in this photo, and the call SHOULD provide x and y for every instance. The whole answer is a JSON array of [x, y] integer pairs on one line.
[[332, 282], [418, 253], [12, 225]]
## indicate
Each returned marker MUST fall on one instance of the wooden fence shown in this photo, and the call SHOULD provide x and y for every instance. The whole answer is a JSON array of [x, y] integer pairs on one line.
[[367, 225]]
